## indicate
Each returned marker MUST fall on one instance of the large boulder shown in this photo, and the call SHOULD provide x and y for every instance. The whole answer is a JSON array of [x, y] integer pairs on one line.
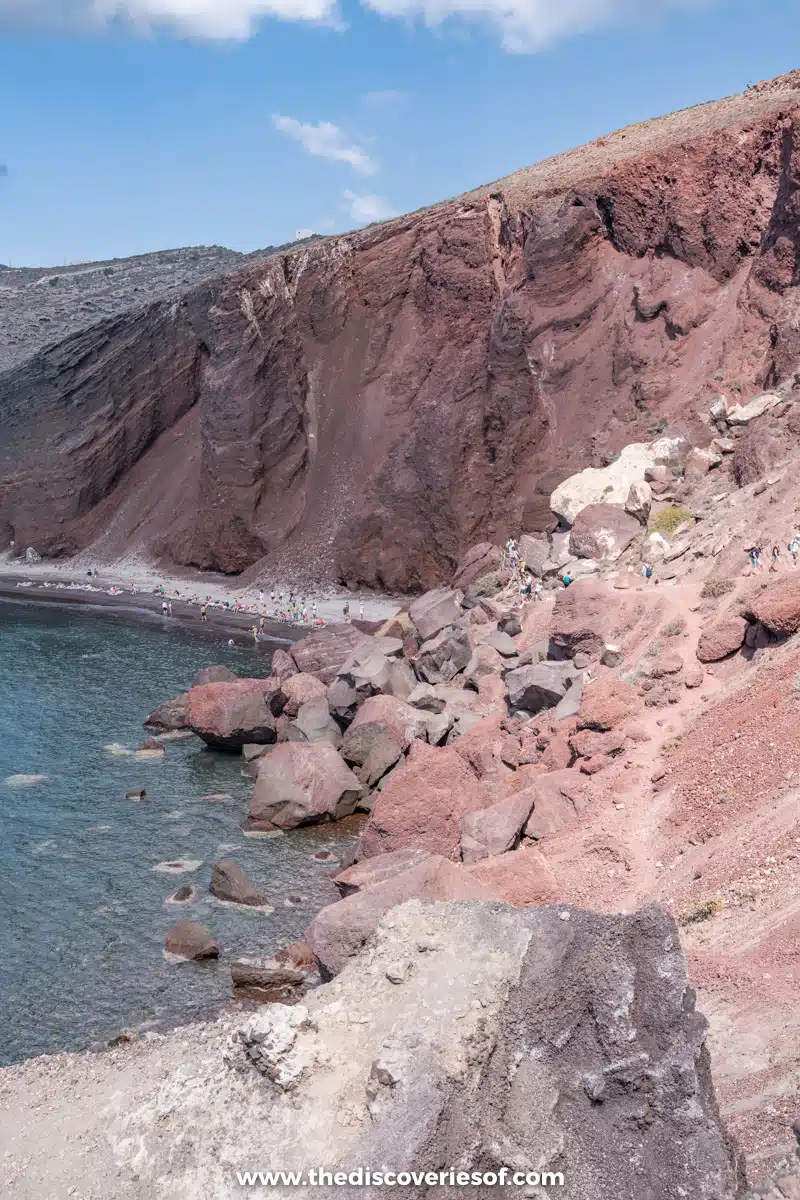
[[721, 637], [496, 829], [603, 532], [301, 783], [229, 883], [314, 723], [299, 689], [612, 484], [605, 703], [521, 877], [539, 686], [535, 552], [434, 611], [755, 454], [422, 805], [559, 799], [191, 941], [171, 715], [339, 931], [342, 700], [584, 616], [552, 1042], [478, 561], [743, 414], [777, 607], [214, 675], [324, 653], [283, 665], [229, 715], [382, 720], [370, 871], [442, 657]]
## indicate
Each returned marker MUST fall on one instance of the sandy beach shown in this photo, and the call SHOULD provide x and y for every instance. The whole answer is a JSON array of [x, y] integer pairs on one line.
[[131, 588]]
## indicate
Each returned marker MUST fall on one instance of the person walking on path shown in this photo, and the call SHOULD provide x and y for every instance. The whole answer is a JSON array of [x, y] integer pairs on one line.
[[775, 559], [794, 549]]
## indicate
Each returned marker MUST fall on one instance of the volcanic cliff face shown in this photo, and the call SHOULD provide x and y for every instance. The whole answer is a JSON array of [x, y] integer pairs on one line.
[[368, 407]]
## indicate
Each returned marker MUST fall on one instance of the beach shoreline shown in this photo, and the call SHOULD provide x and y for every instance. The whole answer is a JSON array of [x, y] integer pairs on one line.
[[132, 591]]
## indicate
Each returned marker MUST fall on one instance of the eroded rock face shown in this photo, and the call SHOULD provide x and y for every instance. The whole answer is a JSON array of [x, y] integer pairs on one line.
[[442, 441]]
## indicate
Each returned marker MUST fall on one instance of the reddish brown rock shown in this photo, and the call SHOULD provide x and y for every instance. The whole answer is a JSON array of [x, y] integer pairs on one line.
[[603, 531], [588, 743], [605, 703], [777, 607], [324, 653], [584, 616], [496, 829], [520, 878], [283, 665], [301, 783], [477, 562], [558, 801], [669, 663], [371, 871], [722, 637], [213, 675], [434, 611], [339, 931], [229, 883], [172, 714], [299, 689], [377, 717], [422, 806], [190, 941], [228, 715]]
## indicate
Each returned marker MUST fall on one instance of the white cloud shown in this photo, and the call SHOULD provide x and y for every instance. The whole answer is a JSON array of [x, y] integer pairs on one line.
[[366, 209], [529, 25], [524, 25], [325, 140], [214, 19]]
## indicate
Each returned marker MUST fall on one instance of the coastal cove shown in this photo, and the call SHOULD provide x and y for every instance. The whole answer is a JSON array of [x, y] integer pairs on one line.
[[81, 946]]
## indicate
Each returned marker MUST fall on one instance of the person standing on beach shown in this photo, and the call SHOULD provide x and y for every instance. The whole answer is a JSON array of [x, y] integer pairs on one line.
[[314, 610], [204, 612], [169, 612], [164, 608], [254, 632]]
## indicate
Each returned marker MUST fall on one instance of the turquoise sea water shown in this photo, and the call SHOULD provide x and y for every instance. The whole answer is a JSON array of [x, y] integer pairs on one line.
[[82, 913]]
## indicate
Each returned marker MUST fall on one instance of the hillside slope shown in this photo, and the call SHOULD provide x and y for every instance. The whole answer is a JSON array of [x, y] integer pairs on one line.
[[365, 408]]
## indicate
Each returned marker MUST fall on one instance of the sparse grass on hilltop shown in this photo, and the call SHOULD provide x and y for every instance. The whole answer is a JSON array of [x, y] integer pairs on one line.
[[703, 912], [669, 520]]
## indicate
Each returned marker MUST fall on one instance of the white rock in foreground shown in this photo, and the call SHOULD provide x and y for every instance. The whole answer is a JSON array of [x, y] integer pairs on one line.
[[742, 414]]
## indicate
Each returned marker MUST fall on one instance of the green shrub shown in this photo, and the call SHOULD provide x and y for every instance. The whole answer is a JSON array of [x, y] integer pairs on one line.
[[669, 520]]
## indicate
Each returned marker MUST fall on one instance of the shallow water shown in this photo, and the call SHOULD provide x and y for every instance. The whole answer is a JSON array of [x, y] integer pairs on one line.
[[82, 911]]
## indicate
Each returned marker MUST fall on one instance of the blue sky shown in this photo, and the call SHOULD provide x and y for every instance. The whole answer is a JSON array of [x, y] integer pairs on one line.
[[213, 121]]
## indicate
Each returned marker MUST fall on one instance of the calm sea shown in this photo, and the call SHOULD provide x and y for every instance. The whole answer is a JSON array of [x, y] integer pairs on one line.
[[82, 912]]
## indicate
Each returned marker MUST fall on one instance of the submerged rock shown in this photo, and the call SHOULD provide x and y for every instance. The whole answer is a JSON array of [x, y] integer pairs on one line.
[[190, 941], [229, 883]]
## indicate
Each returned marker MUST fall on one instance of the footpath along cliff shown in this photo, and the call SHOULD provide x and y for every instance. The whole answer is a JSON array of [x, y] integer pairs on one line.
[[366, 408]]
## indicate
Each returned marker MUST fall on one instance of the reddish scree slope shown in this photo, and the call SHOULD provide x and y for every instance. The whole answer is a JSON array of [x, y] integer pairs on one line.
[[367, 408]]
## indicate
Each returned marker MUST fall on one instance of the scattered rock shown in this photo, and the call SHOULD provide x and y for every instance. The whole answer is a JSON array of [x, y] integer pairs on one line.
[[777, 607], [540, 686], [605, 704], [172, 714], [743, 414], [583, 618], [477, 562], [603, 531], [315, 723], [442, 657], [299, 689], [558, 801], [371, 871], [494, 830], [136, 794]]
